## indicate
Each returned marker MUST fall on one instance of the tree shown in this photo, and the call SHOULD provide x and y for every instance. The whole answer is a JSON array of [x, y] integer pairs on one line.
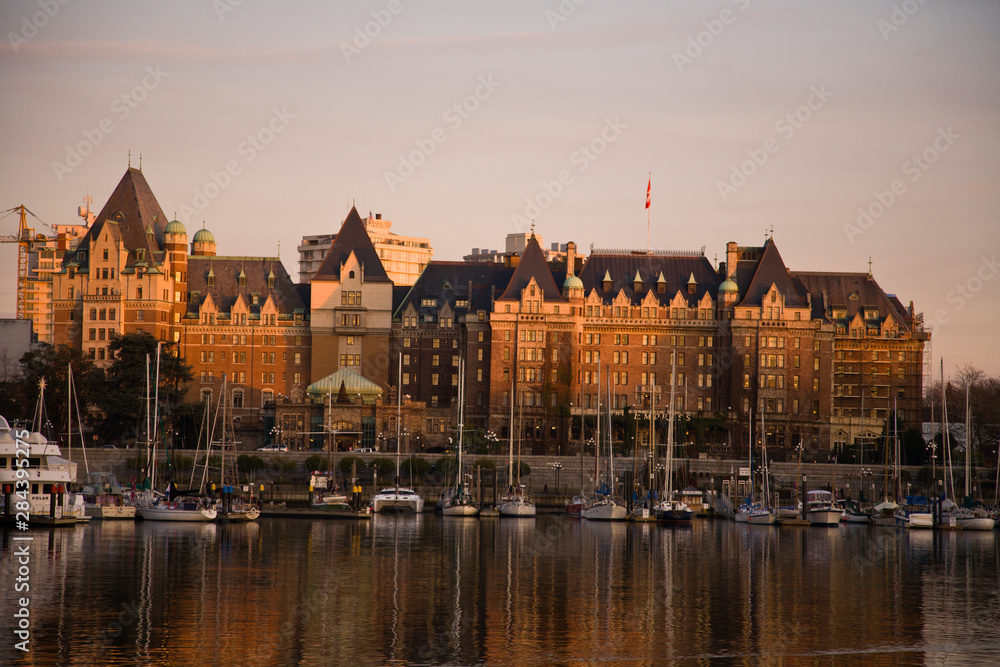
[[52, 365], [123, 398]]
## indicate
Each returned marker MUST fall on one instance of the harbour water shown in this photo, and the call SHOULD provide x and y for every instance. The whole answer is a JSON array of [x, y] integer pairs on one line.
[[550, 590]]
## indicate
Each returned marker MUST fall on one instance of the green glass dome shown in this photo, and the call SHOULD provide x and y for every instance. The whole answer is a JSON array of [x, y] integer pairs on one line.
[[572, 282]]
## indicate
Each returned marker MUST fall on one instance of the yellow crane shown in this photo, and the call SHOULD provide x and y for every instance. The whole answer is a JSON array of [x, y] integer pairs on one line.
[[25, 240]]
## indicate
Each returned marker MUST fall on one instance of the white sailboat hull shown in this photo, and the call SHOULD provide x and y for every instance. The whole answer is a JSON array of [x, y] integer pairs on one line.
[[604, 512], [517, 508], [176, 514], [460, 510], [762, 519]]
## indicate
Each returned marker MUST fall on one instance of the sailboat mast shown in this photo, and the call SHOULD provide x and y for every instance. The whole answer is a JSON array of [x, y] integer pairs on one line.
[[597, 435], [611, 453], [399, 414], [669, 473], [968, 443], [461, 415], [510, 459]]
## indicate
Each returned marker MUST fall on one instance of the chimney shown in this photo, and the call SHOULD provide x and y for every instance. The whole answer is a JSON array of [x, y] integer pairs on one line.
[[570, 259], [732, 256]]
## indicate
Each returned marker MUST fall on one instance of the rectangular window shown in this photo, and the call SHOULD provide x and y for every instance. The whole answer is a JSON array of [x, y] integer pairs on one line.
[[815, 384], [435, 378]]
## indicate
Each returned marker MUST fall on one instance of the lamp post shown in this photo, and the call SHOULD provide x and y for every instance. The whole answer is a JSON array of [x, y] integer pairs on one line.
[[557, 467]]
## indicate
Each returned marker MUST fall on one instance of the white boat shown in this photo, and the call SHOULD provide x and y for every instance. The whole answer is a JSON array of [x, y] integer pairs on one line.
[[103, 498], [916, 513], [976, 519], [179, 509], [854, 514], [605, 509], [670, 510], [397, 499], [821, 510], [884, 514], [602, 506], [43, 481], [575, 506], [517, 501], [460, 503], [762, 516]]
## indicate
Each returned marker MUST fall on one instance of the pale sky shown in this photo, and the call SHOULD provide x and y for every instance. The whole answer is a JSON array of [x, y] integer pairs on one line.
[[833, 99]]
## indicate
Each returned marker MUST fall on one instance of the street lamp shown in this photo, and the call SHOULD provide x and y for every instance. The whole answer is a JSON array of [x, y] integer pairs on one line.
[[557, 467]]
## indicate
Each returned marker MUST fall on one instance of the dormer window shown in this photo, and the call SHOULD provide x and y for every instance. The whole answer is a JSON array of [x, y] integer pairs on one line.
[[140, 254], [270, 281], [105, 254], [350, 274], [211, 280]]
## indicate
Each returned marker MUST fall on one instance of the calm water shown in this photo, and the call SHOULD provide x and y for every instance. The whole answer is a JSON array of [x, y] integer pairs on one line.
[[550, 590]]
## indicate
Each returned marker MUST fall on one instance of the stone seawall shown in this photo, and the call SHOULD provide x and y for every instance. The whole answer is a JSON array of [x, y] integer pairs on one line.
[[546, 473]]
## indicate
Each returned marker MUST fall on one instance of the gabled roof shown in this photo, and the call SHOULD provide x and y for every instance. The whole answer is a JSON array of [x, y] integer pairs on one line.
[[226, 290], [447, 282], [532, 264], [771, 270], [676, 271], [352, 237], [135, 209], [835, 289]]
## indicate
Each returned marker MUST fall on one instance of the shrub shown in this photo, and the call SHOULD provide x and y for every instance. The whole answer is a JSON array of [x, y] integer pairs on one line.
[[485, 464], [314, 462], [250, 463], [382, 466], [347, 464], [416, 466]]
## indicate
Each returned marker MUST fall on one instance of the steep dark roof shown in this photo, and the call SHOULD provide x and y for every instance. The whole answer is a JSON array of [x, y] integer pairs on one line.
[[771, 270], [134, 208], [226, 271], [447, 282], [676, 271], [352, 237], [834, 290], [532, 264]]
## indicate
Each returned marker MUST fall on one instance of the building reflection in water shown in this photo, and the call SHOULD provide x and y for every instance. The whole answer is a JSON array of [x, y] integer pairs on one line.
[[431, 590]]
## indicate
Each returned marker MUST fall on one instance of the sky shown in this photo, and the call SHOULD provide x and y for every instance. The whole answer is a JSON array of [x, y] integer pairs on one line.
[[856, 129]]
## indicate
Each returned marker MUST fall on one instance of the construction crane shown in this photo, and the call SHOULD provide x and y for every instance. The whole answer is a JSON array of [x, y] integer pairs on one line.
[[25, 240]]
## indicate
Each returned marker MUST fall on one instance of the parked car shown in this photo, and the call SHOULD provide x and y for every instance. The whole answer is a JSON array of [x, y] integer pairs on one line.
[[364, 450], [273, 448]]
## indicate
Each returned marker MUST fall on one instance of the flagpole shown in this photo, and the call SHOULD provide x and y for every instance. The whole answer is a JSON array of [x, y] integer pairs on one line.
[[648, 189]]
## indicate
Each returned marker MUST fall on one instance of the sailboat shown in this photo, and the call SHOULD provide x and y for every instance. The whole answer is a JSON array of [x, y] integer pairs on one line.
[[603, 506], [971, 518], [171, 507], [231, 507], [670, 510], [516, 502], [398, 499], [461, 503], [883, 514], [643, 511], [762, 513]]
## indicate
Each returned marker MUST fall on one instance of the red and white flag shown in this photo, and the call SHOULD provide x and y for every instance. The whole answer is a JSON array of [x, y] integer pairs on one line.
[[649, 189]]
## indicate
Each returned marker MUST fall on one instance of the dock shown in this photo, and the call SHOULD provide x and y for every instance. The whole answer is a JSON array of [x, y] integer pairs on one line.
[[286, 513]]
